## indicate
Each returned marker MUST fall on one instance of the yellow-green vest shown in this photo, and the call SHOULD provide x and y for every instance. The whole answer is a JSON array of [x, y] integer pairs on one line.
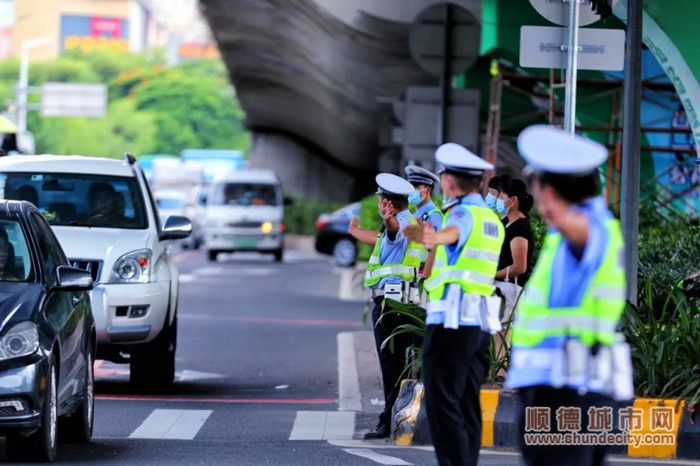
[[477, 264], [424, 251], [407, 269], [595, 319]]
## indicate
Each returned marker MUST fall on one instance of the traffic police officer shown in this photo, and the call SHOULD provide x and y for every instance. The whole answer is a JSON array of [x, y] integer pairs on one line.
[[425, 183], [566, 352], [393, 268], [462, 314]]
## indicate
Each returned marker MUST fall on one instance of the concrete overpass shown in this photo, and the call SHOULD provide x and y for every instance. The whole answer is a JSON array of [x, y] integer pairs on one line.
[[314, 77]]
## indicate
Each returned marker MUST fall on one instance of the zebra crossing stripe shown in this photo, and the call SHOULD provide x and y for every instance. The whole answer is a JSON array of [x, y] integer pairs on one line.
[[172, 424]]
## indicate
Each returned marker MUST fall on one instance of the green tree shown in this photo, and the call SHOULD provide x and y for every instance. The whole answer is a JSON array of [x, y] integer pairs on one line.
[[204, 105], [123, 130]]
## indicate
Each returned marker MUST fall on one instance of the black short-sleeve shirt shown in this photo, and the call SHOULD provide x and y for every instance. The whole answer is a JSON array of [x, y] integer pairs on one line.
[[519, 228]]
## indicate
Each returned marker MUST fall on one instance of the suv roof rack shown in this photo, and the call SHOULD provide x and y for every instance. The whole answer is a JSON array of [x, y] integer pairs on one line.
[[130, 158]]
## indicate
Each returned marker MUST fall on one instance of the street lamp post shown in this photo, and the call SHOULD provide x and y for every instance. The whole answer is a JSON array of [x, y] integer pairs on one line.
[[24, 80]]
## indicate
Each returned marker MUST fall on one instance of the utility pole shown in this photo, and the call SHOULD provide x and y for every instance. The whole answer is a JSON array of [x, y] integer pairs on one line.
[[22, 91], [631, 156], [571, 68]]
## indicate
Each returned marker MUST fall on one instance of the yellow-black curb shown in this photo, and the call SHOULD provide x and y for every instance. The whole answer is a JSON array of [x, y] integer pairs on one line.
[[499, 410]]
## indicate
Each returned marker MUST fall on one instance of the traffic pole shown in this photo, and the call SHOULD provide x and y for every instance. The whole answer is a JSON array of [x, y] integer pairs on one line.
[[571, 68], [631, 135]]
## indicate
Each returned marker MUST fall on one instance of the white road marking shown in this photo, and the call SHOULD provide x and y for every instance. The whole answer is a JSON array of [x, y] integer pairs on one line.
[[349, 398], [188, 376], [321, 425], [308, 425], [376, 444], [172, 424], [376, 457], [187, 278]]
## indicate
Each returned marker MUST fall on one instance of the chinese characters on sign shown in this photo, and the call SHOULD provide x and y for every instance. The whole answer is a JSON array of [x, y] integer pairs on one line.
[[600, 428]]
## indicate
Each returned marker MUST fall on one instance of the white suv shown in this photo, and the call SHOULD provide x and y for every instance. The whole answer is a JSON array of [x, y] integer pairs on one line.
[[105, 216]]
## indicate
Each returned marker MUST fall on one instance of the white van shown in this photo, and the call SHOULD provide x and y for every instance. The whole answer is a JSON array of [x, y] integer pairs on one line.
[[244, 212]]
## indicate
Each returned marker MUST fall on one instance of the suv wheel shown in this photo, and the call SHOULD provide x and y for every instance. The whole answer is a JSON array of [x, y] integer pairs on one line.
[[213, 255], [345, 252], [153, 366], [41, 445], [279, 255], [77, 428]]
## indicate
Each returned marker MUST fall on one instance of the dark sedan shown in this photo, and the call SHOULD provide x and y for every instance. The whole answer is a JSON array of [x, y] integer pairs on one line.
[[332, 235], [47, 339]]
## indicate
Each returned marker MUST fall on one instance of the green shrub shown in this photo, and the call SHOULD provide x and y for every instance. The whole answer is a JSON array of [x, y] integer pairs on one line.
[[669, 251], [665, 345], [300, 217]]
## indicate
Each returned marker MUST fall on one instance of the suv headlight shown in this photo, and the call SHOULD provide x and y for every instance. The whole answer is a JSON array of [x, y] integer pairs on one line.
[[20, 340], [134, 267]]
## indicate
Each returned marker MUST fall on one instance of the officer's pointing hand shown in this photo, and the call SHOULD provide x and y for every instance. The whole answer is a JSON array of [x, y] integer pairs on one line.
[[414, 233], [387, 209], [354, 224], [429, 235]]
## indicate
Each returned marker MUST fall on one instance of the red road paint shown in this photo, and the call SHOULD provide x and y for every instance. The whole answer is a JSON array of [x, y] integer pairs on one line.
[[98, 372], [270, 320], [186, 255], [314, 401]]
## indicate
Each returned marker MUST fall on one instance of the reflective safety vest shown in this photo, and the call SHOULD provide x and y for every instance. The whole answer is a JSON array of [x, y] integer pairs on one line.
[[477, 264], [407, 269], [425, 219], [594, 320]]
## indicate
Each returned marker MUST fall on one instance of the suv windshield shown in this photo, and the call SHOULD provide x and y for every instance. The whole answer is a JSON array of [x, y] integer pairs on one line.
[[246, 194], [15, 261], [80, 200]]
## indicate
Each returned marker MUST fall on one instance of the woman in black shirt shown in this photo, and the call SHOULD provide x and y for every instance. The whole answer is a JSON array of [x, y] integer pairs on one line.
[[516, 254]]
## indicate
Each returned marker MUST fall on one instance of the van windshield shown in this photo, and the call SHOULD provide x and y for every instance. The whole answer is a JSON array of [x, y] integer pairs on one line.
[[80, 200], [246, 194]]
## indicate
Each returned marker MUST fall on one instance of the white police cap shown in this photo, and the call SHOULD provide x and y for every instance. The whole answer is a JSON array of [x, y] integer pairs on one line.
[[459, 160], [392, 185], [419, 175], [549, 149]]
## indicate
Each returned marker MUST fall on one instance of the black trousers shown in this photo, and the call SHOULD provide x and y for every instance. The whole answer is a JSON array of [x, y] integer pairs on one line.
[[454, 366], [392, 363], [560, 455]]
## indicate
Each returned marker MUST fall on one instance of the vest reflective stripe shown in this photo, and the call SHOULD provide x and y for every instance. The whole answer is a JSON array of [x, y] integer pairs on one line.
[[481, 255], [561, 324], [415, 253], [390, 270], [460, 276], [596, 317], [407, 269], [613, 293], [477, 263]]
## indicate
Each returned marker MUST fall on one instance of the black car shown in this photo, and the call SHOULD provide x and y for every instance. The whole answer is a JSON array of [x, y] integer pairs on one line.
[[47, 338], [332, 235]]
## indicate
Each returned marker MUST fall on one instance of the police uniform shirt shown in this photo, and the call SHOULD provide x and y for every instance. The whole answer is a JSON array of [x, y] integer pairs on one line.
[[393, 252], [423, 214], [571, 277], [461, 219]]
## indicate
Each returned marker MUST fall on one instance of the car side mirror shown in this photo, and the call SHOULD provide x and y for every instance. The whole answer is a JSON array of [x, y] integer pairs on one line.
[[72, 279], [176, 227], [288, 201]]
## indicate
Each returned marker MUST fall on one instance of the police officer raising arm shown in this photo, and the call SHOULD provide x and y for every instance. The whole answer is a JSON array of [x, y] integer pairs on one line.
[[392, 272], [566, 353], [462, 314], [425, 183]]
